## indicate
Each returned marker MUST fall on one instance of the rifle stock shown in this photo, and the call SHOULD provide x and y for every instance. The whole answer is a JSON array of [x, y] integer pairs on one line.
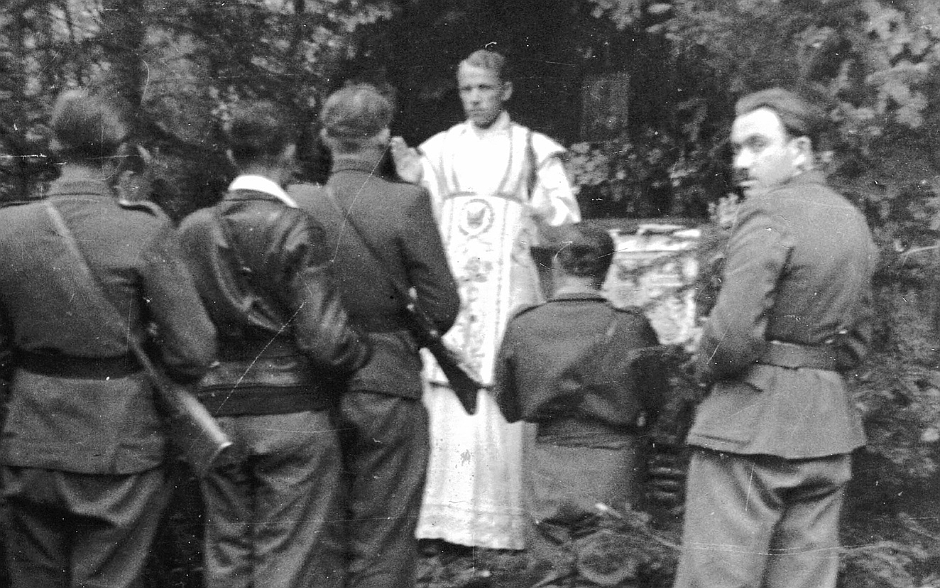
[[192, 430], [461, 376]]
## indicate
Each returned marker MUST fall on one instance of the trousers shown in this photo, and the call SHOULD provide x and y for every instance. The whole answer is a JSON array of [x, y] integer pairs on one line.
[[761, 521], [563, 484], [71, 530], [273, 515], [386, 445]]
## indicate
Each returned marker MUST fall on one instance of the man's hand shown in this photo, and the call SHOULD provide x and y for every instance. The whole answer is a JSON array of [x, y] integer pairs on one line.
[[407, 160]]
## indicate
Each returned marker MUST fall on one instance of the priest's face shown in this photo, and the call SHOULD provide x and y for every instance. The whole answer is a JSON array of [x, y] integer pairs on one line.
[[482, 94]]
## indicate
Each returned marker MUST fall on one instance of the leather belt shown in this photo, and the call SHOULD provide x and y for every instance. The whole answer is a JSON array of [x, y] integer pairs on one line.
[[791, 355], [59, 365], [249, 349], [584, 426], [381, 323]]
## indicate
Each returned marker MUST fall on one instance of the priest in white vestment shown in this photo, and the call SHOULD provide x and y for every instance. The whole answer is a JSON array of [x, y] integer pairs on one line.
[[498, 189]]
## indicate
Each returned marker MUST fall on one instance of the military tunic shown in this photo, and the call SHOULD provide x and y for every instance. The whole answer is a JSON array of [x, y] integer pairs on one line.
[[584, 372], [774, 442], [83, 445]]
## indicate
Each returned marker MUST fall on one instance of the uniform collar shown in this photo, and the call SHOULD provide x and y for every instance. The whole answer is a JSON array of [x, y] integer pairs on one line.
[[577, 293], [261, 184], [353, 163], [87, 187], [813, 176]]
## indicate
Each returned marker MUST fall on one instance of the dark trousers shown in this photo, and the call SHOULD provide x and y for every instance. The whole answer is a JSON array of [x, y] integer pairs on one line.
[[385, 453], [760, 521], [80, 530], [272, 517], [564, 483]]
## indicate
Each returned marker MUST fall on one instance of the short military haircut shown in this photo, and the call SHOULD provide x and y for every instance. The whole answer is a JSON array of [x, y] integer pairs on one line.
[[353, 116], [586, 251], [259, 131], [488, 60], [87, 128], [800, 116]]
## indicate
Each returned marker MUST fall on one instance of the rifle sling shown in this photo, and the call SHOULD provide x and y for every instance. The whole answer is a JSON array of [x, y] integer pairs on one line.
[[200, 440], [85, 280], [400, 288]]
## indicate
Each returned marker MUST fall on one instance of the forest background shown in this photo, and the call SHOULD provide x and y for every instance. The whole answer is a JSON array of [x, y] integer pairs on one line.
[[641, 92]]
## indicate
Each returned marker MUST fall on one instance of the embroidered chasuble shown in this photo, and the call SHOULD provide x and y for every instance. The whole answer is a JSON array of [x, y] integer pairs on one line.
[[492, 190]]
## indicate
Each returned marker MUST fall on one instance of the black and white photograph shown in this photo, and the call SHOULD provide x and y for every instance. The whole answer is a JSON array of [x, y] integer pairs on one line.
[[469, 293]]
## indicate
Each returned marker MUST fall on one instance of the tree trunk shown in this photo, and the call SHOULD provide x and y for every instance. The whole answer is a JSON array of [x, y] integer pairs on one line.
[[123, 29]]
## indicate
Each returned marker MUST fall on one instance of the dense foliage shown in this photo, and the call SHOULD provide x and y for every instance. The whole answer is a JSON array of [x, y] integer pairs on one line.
[[873, 62], [178, 64]]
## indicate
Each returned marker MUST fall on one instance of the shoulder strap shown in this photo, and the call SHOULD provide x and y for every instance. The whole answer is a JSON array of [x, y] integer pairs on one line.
[[93, 286], [460, 373], [80, 266], [191, 427], [244, 268], [401, 289], [229, 236]]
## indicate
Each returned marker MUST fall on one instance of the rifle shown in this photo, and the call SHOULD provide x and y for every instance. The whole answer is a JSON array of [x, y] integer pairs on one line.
[[461, 375], [668, 458], [193, 431]]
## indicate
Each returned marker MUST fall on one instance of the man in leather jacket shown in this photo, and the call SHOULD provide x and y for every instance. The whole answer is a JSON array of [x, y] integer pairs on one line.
[[261, 267], [384, 423]]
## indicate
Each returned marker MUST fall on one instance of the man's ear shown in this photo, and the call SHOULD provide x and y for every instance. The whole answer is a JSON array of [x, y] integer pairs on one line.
[[326, 140], [143, 156], [803, 158], [288, 153], [507, 91], [116, 166], [384, 136]]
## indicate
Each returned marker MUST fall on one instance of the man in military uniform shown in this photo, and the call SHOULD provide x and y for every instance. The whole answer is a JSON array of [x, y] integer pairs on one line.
[[772, 440], [82, 450], [384, 243], [261, 266], [583, 371]]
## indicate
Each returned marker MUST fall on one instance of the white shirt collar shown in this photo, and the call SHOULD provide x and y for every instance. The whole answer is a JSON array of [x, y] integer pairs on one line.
[[261, 184]]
